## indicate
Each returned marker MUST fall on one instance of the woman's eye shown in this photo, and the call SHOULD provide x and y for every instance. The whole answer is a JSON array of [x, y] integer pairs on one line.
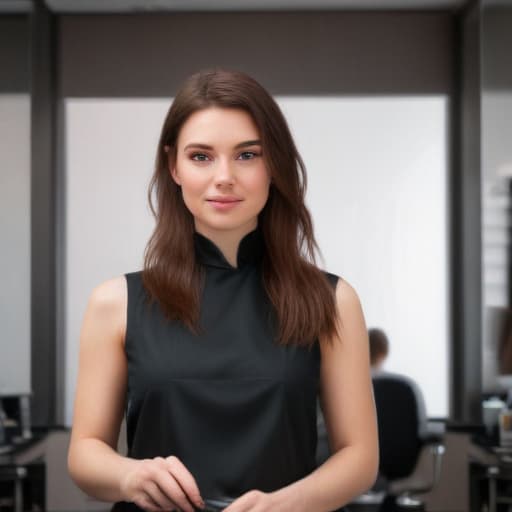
[[248, 155], [199, 157]]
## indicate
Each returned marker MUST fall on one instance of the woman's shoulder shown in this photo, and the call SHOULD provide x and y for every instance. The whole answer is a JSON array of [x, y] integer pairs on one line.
[[110, 288], [345, 292], [105, 315], [110, 295]]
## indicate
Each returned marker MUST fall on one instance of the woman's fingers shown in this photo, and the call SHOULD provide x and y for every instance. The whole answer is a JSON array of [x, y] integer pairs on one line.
[[170, 487], [186, 482], [145, 502], [158, 497], [159, 485]]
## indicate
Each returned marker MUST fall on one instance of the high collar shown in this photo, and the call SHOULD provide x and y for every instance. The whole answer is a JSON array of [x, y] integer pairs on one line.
[[250, 251]]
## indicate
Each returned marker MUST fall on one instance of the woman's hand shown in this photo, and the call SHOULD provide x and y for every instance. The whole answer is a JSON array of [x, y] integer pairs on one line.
[[161, 484]]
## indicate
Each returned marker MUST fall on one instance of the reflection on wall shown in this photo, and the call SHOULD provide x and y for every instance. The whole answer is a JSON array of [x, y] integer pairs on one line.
[[496, 191], [377, 174]]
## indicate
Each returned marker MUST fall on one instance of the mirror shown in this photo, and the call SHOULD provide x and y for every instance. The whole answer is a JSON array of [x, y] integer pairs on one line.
[[496, 123]]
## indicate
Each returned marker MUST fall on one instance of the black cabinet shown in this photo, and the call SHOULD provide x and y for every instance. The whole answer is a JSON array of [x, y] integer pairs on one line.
[[23, 487], [490, 486]]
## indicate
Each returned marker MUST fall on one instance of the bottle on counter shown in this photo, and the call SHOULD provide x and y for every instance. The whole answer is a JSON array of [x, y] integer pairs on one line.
[[491, 409]]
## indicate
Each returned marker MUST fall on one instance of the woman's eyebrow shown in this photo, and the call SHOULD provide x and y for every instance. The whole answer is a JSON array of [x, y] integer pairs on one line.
[[248, 143], [197, 145], [240, 145]]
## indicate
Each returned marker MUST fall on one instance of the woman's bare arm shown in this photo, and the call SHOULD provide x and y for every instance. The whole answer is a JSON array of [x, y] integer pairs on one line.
[[93, 461], [94, 464]]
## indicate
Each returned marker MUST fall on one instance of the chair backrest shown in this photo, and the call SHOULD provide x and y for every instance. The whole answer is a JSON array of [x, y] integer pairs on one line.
[[398, 422]]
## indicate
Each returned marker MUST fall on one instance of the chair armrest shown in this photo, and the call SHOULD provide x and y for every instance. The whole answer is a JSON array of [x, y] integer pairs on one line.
[[432, 438]]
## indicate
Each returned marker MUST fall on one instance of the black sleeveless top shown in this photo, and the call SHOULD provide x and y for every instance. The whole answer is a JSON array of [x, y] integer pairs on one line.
[[236, 408]]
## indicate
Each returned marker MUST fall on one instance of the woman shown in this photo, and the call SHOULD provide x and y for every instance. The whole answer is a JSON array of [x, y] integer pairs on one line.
[[217, 350]]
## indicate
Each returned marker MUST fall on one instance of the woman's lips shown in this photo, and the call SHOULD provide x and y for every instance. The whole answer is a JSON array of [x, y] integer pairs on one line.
[[224, 205]]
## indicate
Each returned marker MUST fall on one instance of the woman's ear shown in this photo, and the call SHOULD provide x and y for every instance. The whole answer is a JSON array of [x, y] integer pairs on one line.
[[174, 174], [171, 165]]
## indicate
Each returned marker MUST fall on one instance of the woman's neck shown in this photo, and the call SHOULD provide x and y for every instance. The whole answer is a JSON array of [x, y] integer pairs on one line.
[[227, 240]]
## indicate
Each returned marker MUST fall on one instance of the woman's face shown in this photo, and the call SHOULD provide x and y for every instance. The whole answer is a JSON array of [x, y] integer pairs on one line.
[[221, 171]]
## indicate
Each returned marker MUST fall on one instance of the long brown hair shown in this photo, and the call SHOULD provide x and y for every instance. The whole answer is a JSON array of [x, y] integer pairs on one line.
[[302, 298]]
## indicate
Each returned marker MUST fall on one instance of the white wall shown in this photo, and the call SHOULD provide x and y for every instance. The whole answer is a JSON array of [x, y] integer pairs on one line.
[[377, 172], [378, 193], [15, 243]]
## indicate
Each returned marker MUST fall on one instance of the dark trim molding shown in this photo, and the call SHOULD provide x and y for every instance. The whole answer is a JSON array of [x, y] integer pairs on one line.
[[323, 53], [466, 366], [454, 224], [43, 267], [14, 53]]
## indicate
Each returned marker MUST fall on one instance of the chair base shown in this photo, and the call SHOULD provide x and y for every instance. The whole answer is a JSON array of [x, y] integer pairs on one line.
[[407, 502], [401, 504]]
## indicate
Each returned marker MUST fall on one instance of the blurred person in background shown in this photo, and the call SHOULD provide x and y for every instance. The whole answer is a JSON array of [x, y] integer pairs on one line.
[[379, 352], [379, 348]]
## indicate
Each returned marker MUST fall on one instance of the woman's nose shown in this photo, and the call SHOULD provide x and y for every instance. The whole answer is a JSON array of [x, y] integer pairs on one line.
[[224, 172]]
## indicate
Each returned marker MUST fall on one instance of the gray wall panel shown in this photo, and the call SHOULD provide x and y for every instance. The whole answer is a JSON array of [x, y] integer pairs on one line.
[[14, 53], [291, 53]]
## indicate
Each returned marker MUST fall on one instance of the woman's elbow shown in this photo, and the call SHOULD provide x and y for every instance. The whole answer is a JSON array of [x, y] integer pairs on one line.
[[372, 468], [73, 462], [374, 473], [70, 463]]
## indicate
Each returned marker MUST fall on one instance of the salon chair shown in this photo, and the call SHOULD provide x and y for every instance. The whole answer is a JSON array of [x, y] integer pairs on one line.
[[402, 439], [403, 436]]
